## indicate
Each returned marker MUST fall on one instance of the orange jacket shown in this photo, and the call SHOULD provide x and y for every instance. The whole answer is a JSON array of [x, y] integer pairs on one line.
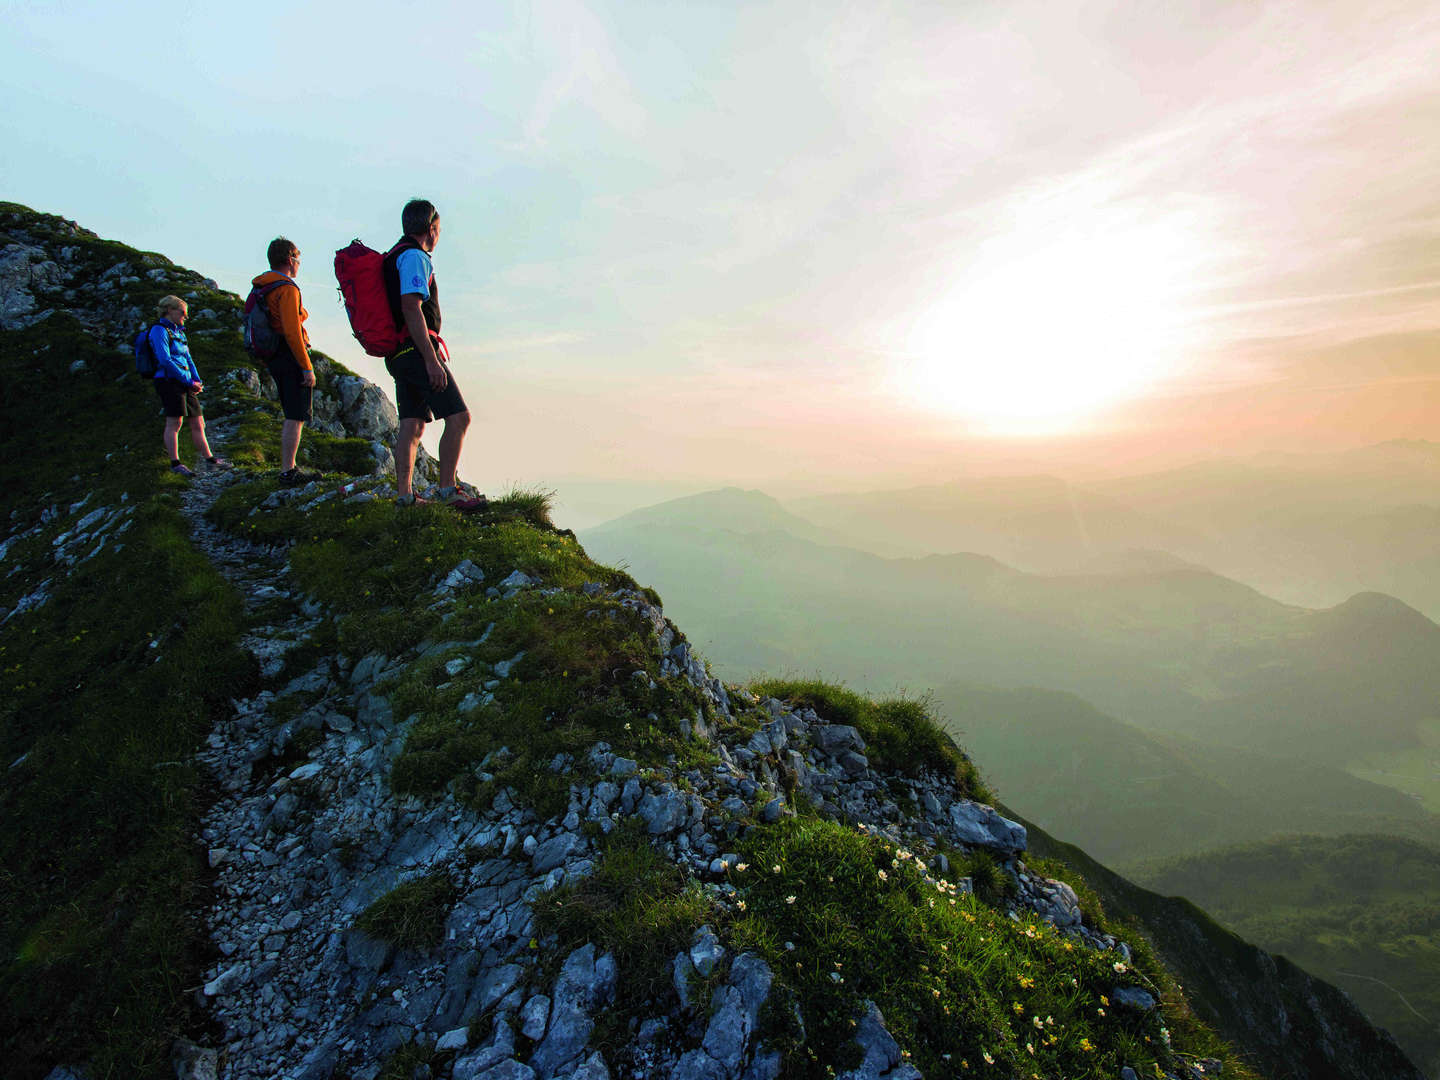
[[287, 317]]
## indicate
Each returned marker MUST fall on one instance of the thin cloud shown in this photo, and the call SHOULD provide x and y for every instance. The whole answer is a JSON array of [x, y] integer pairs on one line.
[[522, 344], [584, 72]]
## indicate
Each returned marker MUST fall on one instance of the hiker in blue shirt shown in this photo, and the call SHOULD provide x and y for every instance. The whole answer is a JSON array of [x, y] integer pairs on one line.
[[177, 381]]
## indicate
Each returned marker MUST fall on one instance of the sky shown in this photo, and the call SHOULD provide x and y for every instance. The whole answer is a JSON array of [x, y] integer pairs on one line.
[[799, 246]]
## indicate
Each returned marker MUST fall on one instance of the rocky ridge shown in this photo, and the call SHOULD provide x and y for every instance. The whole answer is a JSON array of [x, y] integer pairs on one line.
[[300, 852]]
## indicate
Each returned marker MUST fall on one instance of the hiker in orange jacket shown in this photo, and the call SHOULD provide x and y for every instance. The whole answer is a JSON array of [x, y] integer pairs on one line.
[[290, 366]]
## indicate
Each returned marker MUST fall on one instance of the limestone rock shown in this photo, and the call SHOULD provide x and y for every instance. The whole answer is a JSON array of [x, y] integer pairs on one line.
[[975, 823], [882, 1058], [365, 409]]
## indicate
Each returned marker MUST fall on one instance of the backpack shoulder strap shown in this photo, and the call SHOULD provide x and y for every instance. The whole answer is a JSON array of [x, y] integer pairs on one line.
[[271, 286]]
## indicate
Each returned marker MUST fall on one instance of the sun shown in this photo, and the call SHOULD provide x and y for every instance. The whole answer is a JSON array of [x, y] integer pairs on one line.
[[1049, 325]]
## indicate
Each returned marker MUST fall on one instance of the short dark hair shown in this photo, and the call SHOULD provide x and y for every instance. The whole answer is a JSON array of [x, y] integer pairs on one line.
[[417, 216], [279, 252]]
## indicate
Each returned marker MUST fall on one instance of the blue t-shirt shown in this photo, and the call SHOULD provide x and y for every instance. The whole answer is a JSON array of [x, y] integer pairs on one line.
[[414, 269]]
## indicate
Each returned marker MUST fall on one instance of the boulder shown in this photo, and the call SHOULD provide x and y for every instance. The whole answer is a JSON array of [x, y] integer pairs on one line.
[[980, 826], [365, 410]]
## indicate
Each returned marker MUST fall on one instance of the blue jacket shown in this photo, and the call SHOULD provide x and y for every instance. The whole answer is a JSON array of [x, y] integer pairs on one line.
[[172, 353]]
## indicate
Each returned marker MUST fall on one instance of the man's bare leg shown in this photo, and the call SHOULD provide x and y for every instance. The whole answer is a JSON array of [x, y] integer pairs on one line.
[[407, 441], [451, 439], [290, 443]]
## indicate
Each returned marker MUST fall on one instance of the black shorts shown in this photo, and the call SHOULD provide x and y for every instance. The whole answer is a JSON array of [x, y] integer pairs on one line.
[[295, 397], [414, 400], [177, 398]]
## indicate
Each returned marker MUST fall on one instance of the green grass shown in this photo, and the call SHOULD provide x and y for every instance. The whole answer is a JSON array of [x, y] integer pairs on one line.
[[637, 905], [99, 876], [375, 565], [575, 685], [900, 734], [412, 915], [842, 918], [531, 505], [411, 1060]]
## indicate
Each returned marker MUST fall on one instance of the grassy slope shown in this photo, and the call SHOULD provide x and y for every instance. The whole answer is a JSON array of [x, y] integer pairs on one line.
[[1362, 912], [110, 687]]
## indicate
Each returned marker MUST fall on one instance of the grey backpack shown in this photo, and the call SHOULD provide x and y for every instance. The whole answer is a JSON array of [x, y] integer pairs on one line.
[[261, 340]]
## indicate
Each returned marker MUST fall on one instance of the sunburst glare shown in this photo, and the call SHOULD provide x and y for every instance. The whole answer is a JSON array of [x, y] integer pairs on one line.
[[1055, 320]]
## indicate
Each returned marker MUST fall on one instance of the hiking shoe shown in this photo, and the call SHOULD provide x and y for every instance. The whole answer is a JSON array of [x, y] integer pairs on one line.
[[477, 505], [456, 499], [218, 462], [297, 476], [182, 469], [411, 500]]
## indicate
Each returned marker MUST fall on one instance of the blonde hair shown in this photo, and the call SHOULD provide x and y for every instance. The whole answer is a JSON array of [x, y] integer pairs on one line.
[[170, 303]]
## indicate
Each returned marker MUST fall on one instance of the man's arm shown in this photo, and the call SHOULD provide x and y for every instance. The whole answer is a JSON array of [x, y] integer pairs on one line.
[[420, 335], [287, 309]]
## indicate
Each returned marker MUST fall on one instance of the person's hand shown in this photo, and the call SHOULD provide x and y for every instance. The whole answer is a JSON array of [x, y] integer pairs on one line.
[[307, 377], [436, 371], [197, 386]]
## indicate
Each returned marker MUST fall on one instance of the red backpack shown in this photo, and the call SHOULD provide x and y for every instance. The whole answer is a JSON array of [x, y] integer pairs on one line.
[[360, 272]]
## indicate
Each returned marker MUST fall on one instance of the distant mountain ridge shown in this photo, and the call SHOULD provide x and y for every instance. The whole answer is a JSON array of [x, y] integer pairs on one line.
[[1170, 648], [1128, 794], [1309, 529], [731, 508]]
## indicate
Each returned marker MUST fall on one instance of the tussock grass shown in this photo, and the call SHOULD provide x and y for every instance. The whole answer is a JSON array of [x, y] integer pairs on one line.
[[411, 915], [637, 905], [532, 504], [900, 734]]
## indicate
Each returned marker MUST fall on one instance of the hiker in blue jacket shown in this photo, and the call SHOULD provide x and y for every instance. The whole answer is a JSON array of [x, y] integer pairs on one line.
[[177, 381]]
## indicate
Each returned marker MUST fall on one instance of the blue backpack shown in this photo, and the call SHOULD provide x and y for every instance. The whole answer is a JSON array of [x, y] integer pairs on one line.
[[146, 363]]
